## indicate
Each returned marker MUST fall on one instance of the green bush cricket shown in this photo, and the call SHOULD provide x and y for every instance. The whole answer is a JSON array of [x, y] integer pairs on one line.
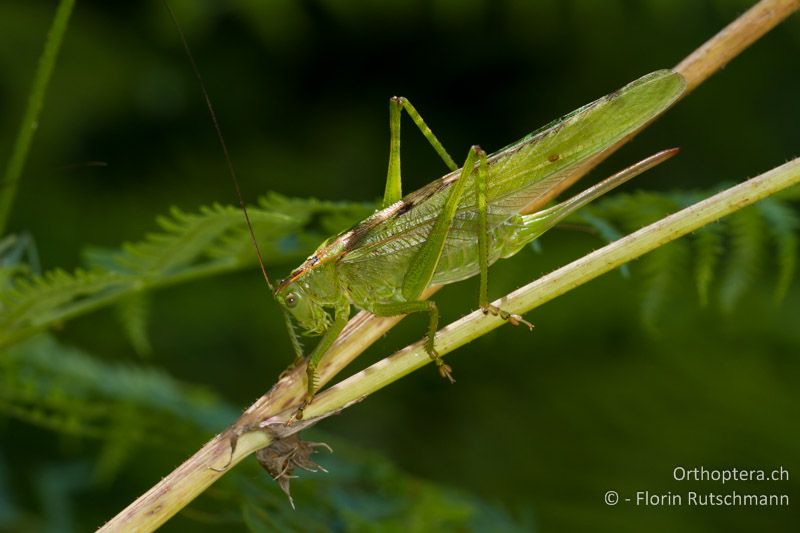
[[457, 226]]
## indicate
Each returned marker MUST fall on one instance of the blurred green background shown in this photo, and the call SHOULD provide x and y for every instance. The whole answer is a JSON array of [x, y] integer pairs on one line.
[[539, 425]]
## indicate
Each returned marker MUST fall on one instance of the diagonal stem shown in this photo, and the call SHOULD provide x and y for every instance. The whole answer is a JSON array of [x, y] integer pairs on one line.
[[176, 490], [733, 39]]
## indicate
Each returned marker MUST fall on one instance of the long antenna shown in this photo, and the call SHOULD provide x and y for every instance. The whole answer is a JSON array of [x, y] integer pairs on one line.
[[218, 130]]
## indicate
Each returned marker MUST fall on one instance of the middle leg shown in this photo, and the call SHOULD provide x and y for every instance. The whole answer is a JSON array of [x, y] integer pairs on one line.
[[427, 306]]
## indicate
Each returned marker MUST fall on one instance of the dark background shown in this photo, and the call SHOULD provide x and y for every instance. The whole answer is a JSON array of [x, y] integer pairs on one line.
[[540, 424]]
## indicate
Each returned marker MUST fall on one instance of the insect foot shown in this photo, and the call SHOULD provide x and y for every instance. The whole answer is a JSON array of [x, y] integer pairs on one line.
[[514, 320], [298, 415], [445, 370], [282, 457]]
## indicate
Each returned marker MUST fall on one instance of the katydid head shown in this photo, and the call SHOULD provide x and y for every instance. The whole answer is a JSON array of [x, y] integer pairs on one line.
[[308, 290], [300, 303]]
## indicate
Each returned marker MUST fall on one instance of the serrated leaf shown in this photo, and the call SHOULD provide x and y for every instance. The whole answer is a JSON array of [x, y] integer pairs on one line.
[[133, 312]]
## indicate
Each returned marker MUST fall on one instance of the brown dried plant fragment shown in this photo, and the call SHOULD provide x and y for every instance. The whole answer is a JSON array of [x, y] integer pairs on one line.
[[282, 457]]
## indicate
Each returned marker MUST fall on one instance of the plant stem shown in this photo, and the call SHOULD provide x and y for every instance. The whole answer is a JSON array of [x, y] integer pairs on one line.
[[273, 409], [30, 120], [733, 39]]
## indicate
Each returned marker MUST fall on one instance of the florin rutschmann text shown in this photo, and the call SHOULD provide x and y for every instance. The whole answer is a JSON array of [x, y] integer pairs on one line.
[[740, 497]]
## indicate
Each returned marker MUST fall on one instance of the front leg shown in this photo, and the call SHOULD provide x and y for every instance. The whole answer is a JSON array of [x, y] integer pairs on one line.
[[341, 314]]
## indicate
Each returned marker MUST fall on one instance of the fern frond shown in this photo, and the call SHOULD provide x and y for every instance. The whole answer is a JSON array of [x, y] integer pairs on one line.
[[133, 311], [34, 302], [745, 259], [661, 272], [123, 435], [707, 251], [740, 243], [185, 238], [783, 223], [48, 384], [219, 233], [212, 241], [313, 214]]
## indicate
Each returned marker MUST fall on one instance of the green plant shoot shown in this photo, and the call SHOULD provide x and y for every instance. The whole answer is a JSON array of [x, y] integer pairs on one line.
[[457, 226]]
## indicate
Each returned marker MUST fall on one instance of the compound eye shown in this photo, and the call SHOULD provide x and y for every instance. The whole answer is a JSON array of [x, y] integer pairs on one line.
[[291, 300]]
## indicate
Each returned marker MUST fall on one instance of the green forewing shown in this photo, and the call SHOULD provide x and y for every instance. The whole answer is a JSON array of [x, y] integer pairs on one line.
[[516, 176]]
